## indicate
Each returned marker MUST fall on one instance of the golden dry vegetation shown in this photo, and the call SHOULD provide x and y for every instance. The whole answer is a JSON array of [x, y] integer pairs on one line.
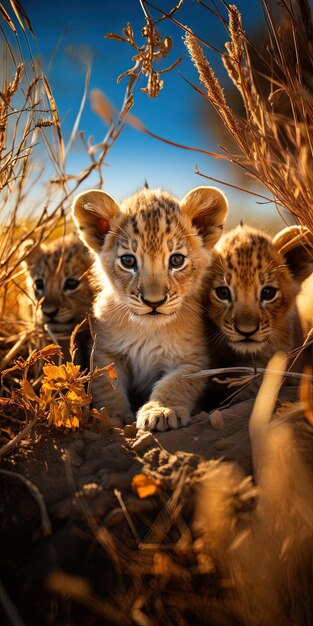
[[182, 572]]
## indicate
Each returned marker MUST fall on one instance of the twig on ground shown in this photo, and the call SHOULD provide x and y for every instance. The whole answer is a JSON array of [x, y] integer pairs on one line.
[[244, 370], [9, 446], [129, 520], [9, 608], [46, 527]]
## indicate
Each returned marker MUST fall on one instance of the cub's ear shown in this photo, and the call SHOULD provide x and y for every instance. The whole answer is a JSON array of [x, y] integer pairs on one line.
[[93, 212], [295, 243], [207, 209], [29, 250]]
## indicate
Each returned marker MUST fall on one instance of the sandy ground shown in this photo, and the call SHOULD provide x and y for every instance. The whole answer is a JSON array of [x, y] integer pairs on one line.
[[84, 519]]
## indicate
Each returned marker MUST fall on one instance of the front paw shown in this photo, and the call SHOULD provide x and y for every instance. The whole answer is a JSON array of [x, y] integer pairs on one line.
[[155, 416]]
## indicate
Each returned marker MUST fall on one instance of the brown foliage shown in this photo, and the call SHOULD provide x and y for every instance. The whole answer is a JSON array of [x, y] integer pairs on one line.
[[274, 136], [29, 118]]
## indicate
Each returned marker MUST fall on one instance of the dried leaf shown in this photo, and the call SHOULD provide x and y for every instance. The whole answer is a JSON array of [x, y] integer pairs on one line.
[[56, 118], [161, 564], [164, 566], [275, 95], [61, 373], [46, 393], [74, 333], [54, 373], [17, 8], [5, 402], [101, 105], [7, 18], [167, 46], [111, 371], [127, 73], [9, 370], [28, 391], [101, 418], [135, 122], [55, 415], [72, 371], [78, 399], [144, 487], [60, 416], [8, 431], [114, 36], [48, 351], [128, 32]]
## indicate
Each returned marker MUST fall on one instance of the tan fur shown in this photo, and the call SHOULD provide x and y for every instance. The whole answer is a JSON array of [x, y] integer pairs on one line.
[[248, 330], [60, 307], [148, 318], [305, 307]]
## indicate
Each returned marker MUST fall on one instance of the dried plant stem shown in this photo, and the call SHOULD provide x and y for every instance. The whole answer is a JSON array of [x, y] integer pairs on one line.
[[46, 528], [128, 518], [223, 182], [275, 141], [169, 514], [245, 370], [78, 589], [209, 80], [9, 608], [264, 408], [9, 446], [29, 119], [92, 354]]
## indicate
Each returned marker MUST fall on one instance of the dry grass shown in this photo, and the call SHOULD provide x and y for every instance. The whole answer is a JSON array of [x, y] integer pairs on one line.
[[203, 570], [275, 136], [31, 135], [208, 571], [154, 49]]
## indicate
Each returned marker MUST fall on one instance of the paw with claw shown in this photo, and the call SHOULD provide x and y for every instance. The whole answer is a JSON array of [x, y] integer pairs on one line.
[[155, 416]]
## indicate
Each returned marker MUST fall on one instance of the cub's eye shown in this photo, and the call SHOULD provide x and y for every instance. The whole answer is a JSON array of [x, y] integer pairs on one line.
[[129, 261], [71, 284], [223, 293], [39, 284], [176, 261], [268, 293]]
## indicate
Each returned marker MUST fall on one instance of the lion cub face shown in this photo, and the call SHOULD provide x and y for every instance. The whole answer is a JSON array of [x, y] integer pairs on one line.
[[56, 278], [153, 249], [252, 286]]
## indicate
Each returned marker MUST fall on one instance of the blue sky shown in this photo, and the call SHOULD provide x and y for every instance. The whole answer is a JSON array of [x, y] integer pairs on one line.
[[175, 114]]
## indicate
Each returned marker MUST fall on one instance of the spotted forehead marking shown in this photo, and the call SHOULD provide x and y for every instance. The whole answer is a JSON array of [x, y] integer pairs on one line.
[[62, 257], [247, 257], [134, 224], [149, 218]]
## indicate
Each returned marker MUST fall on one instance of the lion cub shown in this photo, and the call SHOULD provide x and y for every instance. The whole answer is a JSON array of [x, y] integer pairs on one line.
[[250, 294], [151, 255], [58, 280]]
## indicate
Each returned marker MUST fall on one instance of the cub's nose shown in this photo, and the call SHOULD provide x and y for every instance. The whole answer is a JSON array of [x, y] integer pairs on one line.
[[153, 304], [245, 332], [51, 314]]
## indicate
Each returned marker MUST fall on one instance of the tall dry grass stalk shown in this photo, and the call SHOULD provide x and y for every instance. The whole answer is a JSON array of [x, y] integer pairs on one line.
[[275, 135], [265, 552], [35, 186]]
